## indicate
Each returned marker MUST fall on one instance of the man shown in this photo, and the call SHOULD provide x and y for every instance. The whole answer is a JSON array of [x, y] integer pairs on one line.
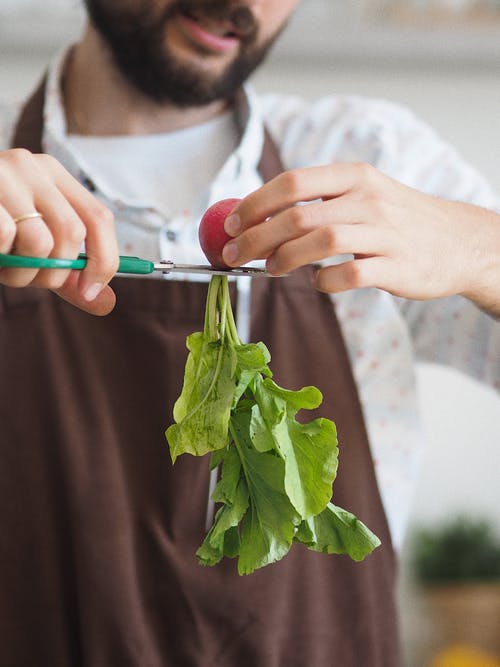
[[146, 123]]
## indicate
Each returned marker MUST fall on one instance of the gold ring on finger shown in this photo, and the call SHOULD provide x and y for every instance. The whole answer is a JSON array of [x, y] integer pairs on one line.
[[28, 216]]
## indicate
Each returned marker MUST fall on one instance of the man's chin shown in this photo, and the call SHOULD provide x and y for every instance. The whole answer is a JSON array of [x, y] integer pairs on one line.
[[199, 63], [185, 88]]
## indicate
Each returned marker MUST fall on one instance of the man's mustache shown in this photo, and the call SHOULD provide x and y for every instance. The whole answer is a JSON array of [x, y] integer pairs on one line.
[[236, 13]]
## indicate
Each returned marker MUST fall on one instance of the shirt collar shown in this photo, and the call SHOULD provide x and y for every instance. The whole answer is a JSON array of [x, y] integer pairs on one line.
[[54, 137], [244, 159]]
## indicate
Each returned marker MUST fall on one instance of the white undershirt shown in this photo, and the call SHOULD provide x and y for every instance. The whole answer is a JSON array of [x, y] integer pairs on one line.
[[169, 172]]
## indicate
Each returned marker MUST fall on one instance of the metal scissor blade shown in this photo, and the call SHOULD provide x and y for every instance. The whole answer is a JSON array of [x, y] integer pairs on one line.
[[248, 271]]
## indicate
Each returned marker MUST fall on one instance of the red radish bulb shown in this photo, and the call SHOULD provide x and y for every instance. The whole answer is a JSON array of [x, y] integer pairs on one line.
[[211, 232]]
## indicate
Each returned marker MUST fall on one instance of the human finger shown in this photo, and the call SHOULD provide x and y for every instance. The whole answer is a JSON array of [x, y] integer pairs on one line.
[[32, 239], [323, 243], [68, 233], [101, 305], [7, 230], [262, 240], [100, 240], [297, 185], [353, 274]]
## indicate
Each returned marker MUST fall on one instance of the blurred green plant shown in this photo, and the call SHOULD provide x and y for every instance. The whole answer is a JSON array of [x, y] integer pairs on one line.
[[461, 550]]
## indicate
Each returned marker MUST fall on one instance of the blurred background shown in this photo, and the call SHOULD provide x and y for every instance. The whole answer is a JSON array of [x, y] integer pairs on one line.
[[442, 59]]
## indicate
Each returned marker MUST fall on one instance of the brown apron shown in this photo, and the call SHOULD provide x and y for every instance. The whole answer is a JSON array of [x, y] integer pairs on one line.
[[99, 530]]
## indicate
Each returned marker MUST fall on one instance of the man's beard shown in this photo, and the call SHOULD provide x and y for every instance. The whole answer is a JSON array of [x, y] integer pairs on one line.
[[136, 39]]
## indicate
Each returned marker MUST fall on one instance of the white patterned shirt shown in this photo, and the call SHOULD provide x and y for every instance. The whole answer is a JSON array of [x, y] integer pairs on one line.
[[385, 335]]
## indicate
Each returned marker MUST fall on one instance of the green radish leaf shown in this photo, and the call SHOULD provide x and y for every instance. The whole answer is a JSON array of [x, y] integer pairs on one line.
[[225, 488], [307, 398], [253, 357], [336, 531], [216, 458], [232, 542], [276, 473], [310, 451], [251, 360], [260, 435], [203, 409], [270, 521], [207, 554], [220, 539]]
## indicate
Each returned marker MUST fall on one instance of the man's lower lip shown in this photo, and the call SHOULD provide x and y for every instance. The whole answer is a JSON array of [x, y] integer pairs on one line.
[[207, 39]]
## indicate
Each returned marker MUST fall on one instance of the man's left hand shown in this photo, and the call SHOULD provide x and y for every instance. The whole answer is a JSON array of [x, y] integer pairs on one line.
[[403, 241]]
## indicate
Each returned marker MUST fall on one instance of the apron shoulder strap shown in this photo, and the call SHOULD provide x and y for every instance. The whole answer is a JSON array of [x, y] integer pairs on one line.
[[29, 129], [270, 164]]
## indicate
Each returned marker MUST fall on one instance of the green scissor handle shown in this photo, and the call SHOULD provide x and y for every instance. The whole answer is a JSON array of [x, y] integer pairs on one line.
[[127, 264]]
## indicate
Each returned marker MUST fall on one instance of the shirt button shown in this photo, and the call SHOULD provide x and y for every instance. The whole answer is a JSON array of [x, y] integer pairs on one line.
[[171, 235], [88, 183]]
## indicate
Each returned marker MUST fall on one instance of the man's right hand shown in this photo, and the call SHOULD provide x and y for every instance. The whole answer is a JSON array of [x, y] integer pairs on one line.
[[70, 215]]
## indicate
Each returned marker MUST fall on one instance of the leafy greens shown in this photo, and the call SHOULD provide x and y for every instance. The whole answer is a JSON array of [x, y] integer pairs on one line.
[[276, 475]]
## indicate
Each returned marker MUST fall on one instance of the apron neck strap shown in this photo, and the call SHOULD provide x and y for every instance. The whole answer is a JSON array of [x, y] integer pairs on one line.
[[270, 164], [29, 128]]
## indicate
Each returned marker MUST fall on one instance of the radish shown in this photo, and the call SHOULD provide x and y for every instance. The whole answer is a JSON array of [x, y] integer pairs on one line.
[[211, 232]]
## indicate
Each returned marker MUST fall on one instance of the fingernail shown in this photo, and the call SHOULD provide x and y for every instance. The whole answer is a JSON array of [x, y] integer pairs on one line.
[[92, 291], [232, 224], [230, 252]]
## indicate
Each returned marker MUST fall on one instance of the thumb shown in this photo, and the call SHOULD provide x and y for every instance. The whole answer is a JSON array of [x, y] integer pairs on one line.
[[102, 304]]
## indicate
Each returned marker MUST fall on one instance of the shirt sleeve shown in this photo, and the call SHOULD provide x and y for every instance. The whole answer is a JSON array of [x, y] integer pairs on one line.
[[450, 331]]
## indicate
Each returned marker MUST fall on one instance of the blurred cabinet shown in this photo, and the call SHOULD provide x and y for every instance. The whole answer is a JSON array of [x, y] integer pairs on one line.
[[445, 12]]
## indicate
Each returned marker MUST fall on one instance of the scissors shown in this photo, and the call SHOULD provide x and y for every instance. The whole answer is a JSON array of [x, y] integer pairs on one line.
[[131, 265]]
